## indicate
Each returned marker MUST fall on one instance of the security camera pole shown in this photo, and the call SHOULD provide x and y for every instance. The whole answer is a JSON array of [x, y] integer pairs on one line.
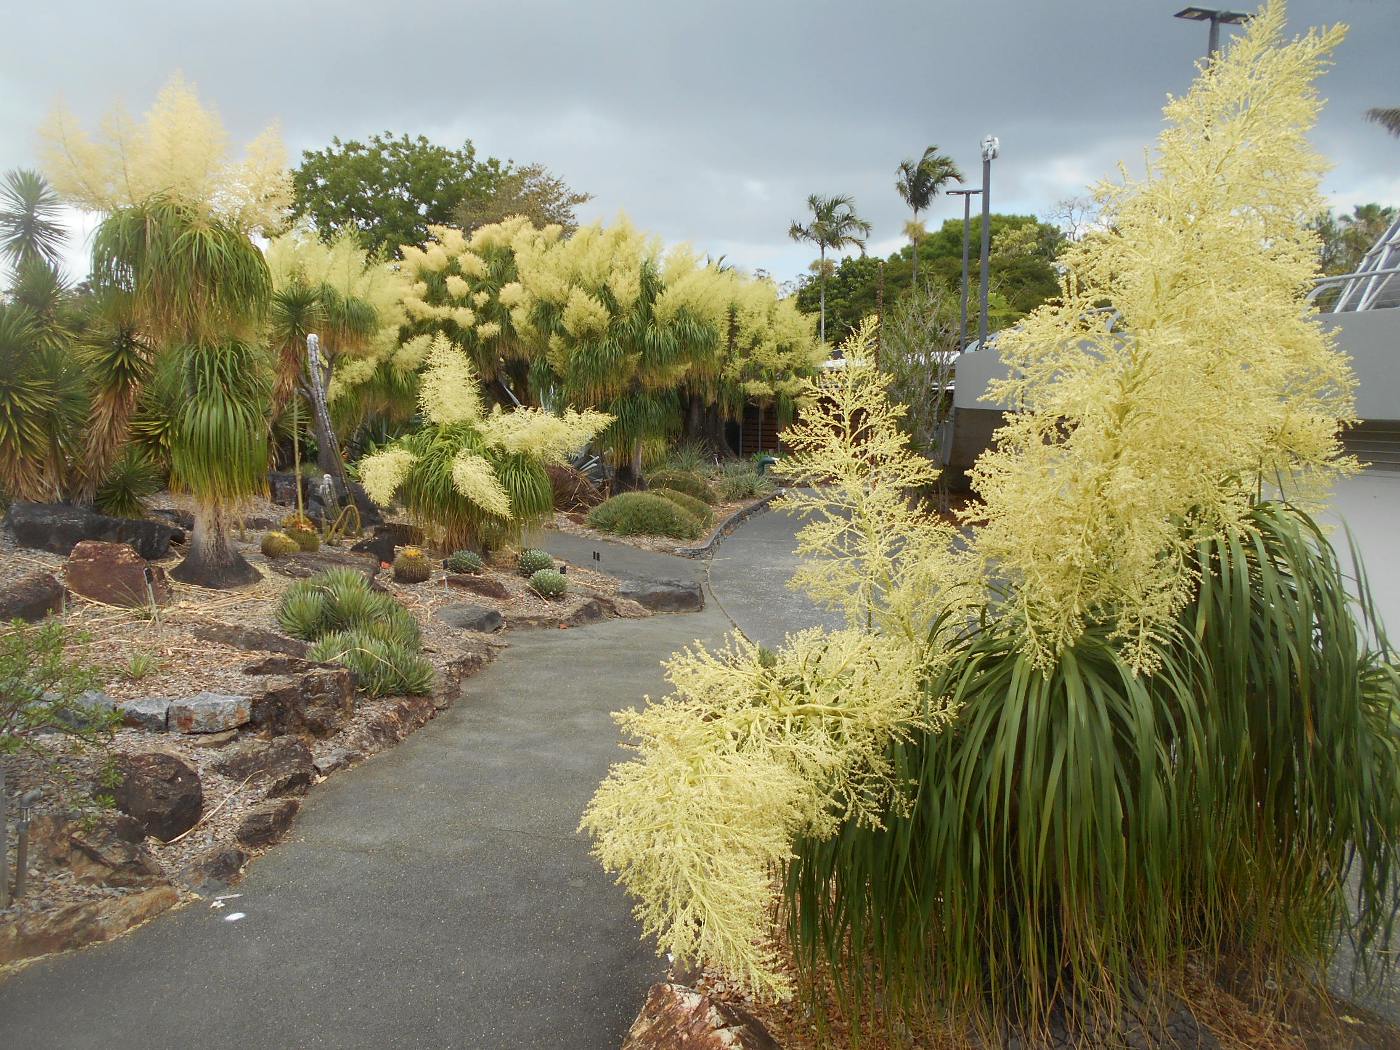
[[990, 147]]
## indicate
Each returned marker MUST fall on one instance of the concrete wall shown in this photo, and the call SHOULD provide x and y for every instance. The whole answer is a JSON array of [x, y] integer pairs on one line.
[[975, 369], [1371, 338]]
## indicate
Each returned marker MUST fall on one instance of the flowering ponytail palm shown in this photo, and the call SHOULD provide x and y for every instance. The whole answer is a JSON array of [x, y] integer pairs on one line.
[[477, 478]]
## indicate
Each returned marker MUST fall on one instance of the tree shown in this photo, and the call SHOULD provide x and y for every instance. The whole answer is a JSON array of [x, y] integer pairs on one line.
[[531, 191], [389, 190], [1388, 118], [175, 258], [30, 230], [920, 181], [835, 225], [1345, 239]]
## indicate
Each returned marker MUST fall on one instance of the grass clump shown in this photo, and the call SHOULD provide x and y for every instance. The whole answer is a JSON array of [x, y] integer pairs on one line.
[[350, 624], [682, 481], [644, 514], [738, 481], [463, 561], [549, 583], [696, 508]]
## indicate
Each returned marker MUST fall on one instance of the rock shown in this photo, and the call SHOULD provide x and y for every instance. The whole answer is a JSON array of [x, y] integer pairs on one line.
[[336, 759], [470, 617], [44, 932], [252, 639], [392, 724], [589, 610], [312, 563], [279, 767], [663, 595], [312, 702], [679, 1018], [57, 528], [181, 519], [208, 712], [382, 541], [210, 741], [266, 822], [31, 598], [573, 491], [113, 573], [160, 790], [152, 712], [482, 585], [93, 708], [107, 851], [215, 868]]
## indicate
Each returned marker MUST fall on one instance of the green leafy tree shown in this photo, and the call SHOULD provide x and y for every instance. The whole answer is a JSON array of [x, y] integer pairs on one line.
[[1345, 239], [834, 225], [531, 191], [389, 189], [919, 181]]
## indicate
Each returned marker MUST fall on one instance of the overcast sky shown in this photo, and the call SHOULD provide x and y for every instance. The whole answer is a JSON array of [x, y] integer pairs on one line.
[[706, 121]]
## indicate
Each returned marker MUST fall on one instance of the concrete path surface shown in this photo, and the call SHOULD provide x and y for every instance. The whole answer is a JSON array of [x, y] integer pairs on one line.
[[435, 896]]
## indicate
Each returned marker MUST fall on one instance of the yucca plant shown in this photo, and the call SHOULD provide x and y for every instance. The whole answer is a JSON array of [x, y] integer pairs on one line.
[[41, 408], [128, 483]]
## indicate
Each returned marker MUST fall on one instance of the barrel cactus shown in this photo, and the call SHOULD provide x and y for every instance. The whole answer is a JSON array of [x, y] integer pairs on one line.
[[303, 530], [279, 545], [533, 560], [549, 583], [411, 565], [463, 561]]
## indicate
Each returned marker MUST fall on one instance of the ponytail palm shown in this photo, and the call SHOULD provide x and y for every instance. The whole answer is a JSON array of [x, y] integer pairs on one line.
[[218, 451]]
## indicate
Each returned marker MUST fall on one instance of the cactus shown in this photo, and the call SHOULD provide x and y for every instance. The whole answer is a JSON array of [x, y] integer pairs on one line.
[[411, 565], [463, 561], [279, 545], [549, 583], [304, 536], [532, 561]]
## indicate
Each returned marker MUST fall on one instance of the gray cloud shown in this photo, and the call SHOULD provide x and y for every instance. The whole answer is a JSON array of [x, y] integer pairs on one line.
[[706, 122]]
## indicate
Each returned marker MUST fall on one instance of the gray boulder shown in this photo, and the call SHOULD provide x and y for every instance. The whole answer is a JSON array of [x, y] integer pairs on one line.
[[470, 617], [58, 528], [663, 595], [210, 713], [152, 712]]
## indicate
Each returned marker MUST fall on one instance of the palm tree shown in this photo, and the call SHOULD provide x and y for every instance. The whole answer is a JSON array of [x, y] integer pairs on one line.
[[29, 227], [834, 225], [195, 287], [1388, 118], [919, 181]]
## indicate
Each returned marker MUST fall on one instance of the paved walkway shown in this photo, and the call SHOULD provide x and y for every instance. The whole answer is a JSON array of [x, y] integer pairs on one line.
[[436, 896]]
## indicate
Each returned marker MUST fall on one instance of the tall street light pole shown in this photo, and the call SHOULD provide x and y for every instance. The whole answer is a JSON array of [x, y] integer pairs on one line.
[[991, 146], [1216, 18], [967, 196]]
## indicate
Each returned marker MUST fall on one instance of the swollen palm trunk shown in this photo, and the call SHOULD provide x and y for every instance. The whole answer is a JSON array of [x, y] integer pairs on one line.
[[213, 560]]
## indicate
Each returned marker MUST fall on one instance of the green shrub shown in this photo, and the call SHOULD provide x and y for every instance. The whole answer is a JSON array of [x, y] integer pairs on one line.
[[532, 561], [689, 456], [411, 565], [644, 514], [549, 583], [696, 508], [46, 713], [740, 480], [463, 561], [279, 545], [132, 478], [381, 667], [682, 481]]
